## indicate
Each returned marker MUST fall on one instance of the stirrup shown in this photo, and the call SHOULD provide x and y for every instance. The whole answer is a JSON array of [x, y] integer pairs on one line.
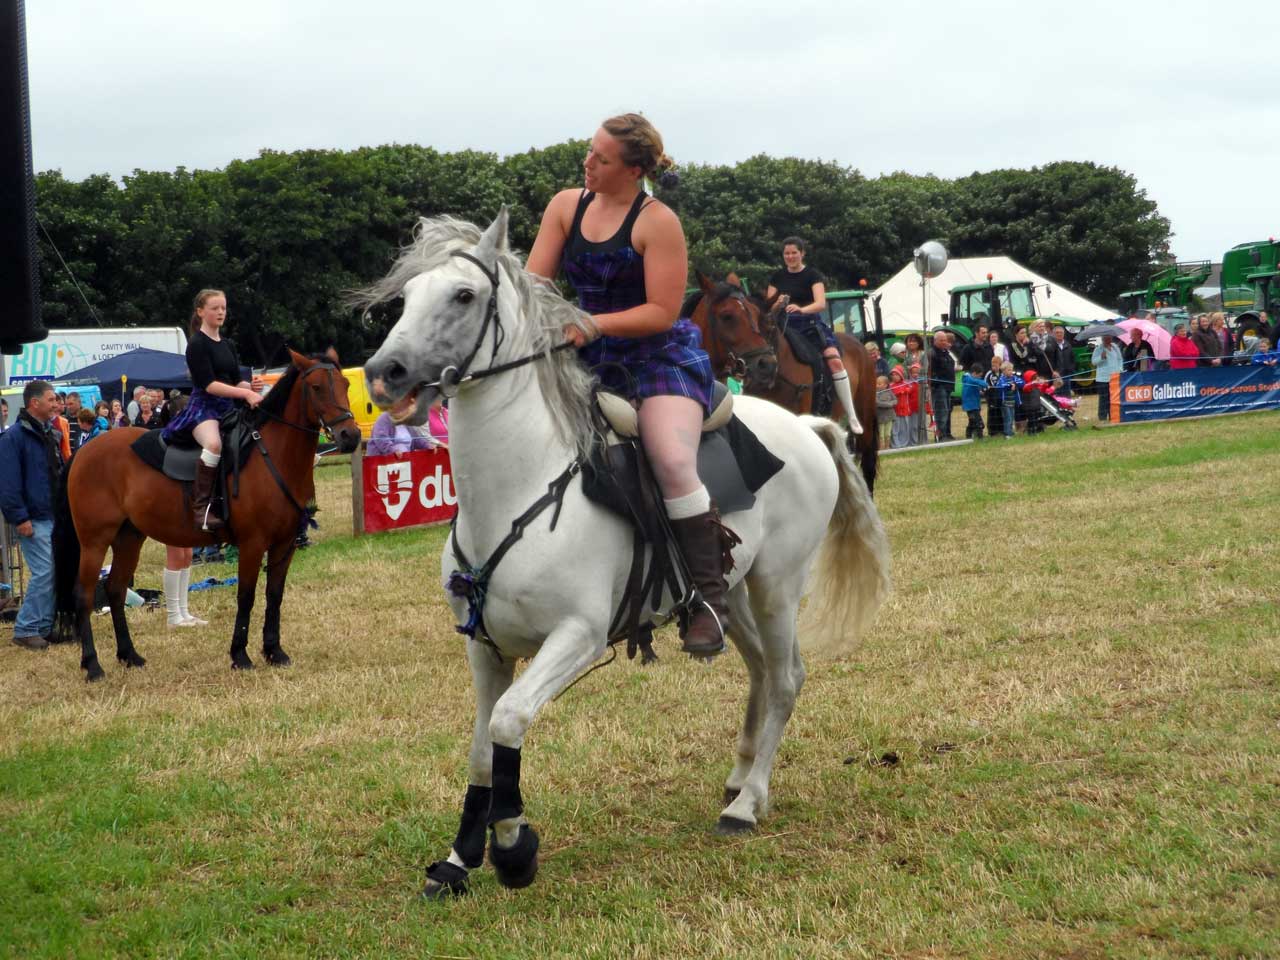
[[687, 607]]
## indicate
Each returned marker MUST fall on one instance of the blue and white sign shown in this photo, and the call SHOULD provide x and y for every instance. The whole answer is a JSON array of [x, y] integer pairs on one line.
[[1161, 395]]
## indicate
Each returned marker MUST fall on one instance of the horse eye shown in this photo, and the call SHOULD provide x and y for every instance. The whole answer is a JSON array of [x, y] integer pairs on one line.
[[464, 296]]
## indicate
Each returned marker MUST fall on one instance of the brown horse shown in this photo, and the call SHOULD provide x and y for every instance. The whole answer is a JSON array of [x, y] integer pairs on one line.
[[110, 498], [742, 336]]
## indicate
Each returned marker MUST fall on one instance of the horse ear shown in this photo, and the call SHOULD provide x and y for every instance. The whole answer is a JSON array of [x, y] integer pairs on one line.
[[332, 356], [732, 278], [705, 282], [301, 361], [494, 239]]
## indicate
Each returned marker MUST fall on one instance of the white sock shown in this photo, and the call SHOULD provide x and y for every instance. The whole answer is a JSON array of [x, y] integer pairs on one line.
[[173, 593], [184, 583], [690, 505], [210, 459], [841, 381]]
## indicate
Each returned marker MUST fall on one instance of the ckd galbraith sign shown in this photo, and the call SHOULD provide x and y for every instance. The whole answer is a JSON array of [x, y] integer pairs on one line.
[[1195, 393], [404, 490]]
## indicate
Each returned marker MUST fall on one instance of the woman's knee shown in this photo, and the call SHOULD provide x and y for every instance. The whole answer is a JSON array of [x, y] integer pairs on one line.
[[834, 363]]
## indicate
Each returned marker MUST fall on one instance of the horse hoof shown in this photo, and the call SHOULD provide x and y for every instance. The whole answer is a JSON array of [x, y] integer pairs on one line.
[[277, 657], [515, 866], [241, 663], [94, 673], [133, 660], [730, 795], [732, 826], [444, 881]]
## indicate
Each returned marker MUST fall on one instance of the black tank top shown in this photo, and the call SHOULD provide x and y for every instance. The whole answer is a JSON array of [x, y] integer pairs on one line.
[[578, 244]]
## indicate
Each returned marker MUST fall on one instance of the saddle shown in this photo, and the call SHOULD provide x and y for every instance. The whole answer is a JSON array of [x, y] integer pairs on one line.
[[732, 463], [807, 345], [177, 460]]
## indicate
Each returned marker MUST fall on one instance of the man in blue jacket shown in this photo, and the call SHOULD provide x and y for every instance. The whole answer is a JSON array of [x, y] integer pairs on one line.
[[29, 463]]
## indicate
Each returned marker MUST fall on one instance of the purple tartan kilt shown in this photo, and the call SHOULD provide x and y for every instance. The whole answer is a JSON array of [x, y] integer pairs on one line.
[[201, 407], [664, 365]]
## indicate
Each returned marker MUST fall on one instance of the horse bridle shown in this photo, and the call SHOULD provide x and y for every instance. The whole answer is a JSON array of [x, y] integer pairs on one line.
[[736, 365], [343, 416], [452, 377]]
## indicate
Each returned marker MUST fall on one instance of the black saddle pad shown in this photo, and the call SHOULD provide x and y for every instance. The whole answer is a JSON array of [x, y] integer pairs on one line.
[[807, 345], [732, 463], [177, 460]]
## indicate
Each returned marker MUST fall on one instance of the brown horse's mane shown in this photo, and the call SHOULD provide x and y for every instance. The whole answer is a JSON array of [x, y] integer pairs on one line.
[[277, 397], [722, 289]]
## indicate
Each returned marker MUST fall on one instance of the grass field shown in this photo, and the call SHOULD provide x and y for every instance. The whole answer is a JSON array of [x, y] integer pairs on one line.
[[1060, 741]]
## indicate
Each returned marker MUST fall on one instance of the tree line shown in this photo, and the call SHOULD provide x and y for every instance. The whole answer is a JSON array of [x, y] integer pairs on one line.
[[285, 234]]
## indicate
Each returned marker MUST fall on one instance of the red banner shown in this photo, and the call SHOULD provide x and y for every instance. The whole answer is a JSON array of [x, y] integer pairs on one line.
[[407, 490]]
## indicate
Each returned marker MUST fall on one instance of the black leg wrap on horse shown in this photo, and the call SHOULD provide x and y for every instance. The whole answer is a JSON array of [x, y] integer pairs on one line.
[[444, 880], [516, 866], [506, 802], [469, 843]]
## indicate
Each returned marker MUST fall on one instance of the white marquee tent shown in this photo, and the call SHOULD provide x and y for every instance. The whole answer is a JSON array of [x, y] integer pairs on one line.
[[901, 303]]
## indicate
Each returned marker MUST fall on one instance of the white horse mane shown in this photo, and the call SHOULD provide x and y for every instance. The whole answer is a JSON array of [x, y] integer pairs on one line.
[[565, 383]]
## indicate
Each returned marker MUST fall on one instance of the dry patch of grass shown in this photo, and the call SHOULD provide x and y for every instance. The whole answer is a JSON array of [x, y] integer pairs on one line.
[[1059, 741]]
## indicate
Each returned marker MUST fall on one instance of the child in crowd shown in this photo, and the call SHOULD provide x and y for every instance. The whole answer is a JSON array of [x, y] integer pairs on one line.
[[1263, 354], [971, 387], [905, 410], [995, 406], [89, 425], [886, 405], [1010, 399], [1033, 385]]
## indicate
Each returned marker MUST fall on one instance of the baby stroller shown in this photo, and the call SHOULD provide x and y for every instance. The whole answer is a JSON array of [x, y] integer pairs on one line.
[[1050, 408]]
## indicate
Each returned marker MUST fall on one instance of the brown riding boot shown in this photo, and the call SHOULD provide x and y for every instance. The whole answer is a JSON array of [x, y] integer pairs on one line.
[[706, 544], [201, 495]]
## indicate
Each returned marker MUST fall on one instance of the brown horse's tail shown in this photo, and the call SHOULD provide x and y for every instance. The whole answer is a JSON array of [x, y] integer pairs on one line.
[[851, 576], [66, 553]]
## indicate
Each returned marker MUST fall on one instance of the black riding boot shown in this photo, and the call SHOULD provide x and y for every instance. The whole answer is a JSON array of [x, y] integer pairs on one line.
[[706, 544], [201, 495]]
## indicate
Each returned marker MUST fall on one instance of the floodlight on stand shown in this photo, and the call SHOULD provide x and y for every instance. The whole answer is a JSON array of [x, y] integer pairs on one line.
[[930, 261]]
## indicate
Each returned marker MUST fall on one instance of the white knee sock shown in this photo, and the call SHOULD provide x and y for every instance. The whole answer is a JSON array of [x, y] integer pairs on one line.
[[173, 593], [183, 586], [841, 380], [210, 459], [690, 505]]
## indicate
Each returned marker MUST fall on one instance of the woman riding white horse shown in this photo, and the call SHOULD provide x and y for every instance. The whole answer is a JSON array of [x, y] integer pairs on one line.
[[624, 253], [475, 324]]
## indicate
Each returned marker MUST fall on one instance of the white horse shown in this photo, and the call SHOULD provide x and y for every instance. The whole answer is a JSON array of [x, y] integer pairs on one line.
[[469, 308]]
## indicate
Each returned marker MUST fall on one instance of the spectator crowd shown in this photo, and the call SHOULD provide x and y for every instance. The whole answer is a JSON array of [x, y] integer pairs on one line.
[[915, 387]]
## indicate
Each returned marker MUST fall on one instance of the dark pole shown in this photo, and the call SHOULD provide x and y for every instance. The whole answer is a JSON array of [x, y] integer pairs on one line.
[[19, 265]]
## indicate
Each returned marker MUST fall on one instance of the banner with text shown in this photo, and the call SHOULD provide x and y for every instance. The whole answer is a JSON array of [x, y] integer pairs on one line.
[[1160, 395], [407, 490]]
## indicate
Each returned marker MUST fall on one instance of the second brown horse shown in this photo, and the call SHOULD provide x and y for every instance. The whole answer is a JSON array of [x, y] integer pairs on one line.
[[742, 336], [110, 499]]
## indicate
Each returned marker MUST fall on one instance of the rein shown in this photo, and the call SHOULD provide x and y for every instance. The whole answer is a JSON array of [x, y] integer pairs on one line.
[[304, 518]]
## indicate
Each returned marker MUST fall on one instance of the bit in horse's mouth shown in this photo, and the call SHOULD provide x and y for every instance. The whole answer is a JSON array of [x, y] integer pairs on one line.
[[405, 406]]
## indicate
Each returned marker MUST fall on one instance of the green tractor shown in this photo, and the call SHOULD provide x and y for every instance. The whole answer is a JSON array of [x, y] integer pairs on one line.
[[1169, 287], [1005, 305], [1251, 284], [857, 313]]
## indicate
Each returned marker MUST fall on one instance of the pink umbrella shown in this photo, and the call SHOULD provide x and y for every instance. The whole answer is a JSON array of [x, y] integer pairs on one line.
[[1152, 332]]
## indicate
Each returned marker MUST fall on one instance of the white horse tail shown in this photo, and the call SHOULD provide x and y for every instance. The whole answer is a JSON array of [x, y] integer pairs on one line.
[[851, 577]]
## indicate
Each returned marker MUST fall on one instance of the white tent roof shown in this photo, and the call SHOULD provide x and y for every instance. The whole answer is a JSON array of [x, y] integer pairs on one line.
[[902, 299]]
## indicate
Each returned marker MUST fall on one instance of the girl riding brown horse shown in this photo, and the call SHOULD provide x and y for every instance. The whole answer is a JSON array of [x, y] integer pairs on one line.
[[743, 338], [110, 498]]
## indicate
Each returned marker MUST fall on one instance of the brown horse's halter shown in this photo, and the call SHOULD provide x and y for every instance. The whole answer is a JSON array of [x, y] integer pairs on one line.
[[326, 426], [737, 366]]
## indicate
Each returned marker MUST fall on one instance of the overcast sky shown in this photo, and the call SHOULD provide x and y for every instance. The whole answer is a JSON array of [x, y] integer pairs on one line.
[[1181, 94]]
